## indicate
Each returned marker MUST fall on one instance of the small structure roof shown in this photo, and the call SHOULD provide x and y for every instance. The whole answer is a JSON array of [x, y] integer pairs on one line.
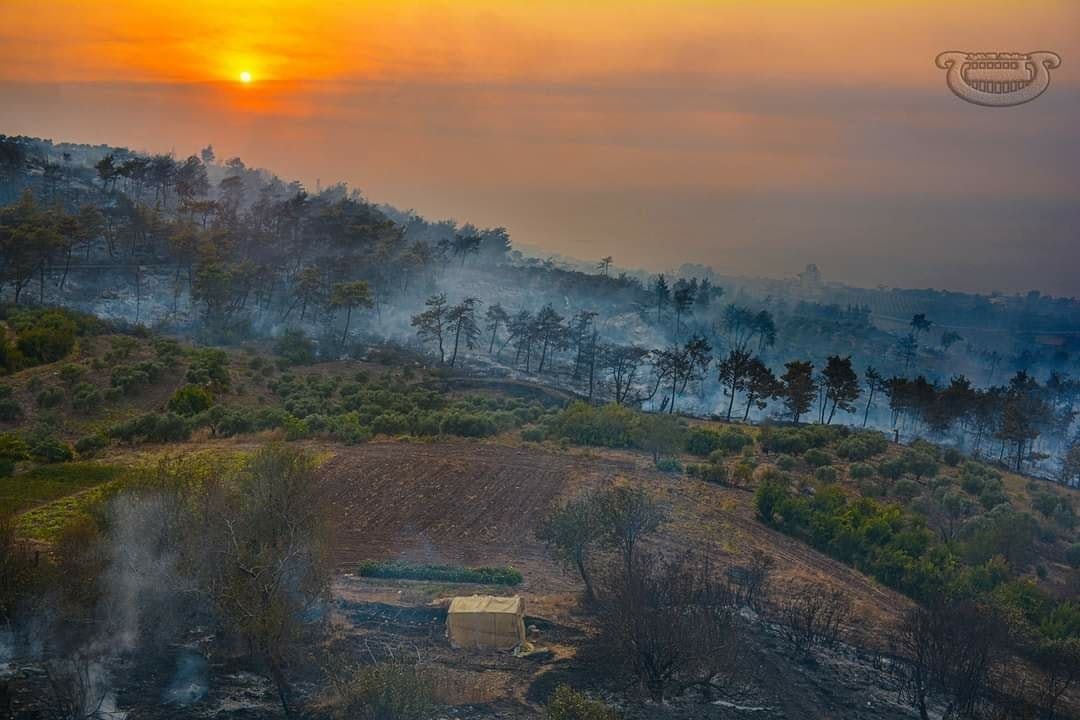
[[486, 604]]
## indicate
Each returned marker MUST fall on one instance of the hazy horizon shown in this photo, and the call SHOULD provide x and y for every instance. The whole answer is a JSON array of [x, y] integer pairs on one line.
[[751, 138]]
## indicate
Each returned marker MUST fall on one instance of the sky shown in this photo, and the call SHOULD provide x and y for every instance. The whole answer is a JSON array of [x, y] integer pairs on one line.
[[754, 136]]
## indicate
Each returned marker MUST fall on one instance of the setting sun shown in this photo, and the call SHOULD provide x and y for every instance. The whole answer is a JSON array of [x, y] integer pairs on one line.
[[245, 77]]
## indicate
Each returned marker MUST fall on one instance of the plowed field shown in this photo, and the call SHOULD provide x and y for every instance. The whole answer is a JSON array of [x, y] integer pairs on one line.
[[475, 503]]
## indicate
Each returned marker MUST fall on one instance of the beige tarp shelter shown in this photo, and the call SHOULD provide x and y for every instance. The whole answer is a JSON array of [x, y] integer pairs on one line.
[[483, 622]]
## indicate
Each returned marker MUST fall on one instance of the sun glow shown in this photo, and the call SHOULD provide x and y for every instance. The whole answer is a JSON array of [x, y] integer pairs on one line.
[[245, 77]]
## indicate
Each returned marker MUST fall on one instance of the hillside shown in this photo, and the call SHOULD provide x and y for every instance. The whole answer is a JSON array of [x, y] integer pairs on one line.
[[429, 468]]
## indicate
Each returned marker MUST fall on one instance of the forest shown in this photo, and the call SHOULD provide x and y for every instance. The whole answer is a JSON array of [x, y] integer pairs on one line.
[[222, 253]]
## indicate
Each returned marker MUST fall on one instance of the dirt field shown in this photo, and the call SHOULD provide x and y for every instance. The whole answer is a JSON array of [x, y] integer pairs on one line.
[[479, 503]]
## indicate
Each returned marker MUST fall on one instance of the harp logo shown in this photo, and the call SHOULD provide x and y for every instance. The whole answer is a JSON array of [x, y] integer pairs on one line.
[[998, 79]]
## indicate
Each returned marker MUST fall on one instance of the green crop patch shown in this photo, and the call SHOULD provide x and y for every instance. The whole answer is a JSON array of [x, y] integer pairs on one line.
[[441, 573], [47, 483]]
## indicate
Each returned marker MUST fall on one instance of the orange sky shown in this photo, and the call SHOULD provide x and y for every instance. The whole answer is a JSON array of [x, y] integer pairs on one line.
[[762, 135]]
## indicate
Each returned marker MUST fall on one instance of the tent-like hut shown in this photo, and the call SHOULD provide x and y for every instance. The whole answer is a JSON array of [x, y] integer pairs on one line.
[[484, 622]]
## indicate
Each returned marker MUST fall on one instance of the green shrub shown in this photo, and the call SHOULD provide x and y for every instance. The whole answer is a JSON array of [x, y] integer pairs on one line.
[[50, 398], [906, 488], [992, 495], [13, 447], [952, 457], [86, 398], [610, 425], [709, 472], [49, 337], [892, 469], [1002, 531], [826, 475], [468, 425], [532, 433], [90, 445], [868, 487], [669, 464], [1046, 503], [1065, 516], [167, 351], [881, 540], [974, 476], [920, 464], [10, 357], [786, 463], [152, 427], [817, 458], [728, 440], [52, 450], [861, 471], [131, 379], [385, 691], [790, 441], [441, 573], [121, 348], [209, 367], [862, 446], [71, 374], [743, 473], [190, 400], [924, 447], [567, 704], [295, 429], [295, 348], [10, 409], [702, 441]]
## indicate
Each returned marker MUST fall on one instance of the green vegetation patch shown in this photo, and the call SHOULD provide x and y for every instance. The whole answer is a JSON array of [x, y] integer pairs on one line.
[[441, 573], [49, 482]]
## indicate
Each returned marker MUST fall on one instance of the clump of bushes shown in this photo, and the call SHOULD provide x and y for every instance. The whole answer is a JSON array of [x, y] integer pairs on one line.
[[86, 397], [385, 691], [51, 450], [10, 409], [50, 398], [797, 440], [210, 368], [90, 445], [669, 464], [190, 400], [881, 540], [152, 427], [295, 348], [862, 446], [609, 425], [709, 472], [131, 379], [71, 374], [12, 450], [441, 573], [705, 441], [975, 476], [786, 463], [861, 471], [826, 475], [568, 704], [816, 458], [44, 336]]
